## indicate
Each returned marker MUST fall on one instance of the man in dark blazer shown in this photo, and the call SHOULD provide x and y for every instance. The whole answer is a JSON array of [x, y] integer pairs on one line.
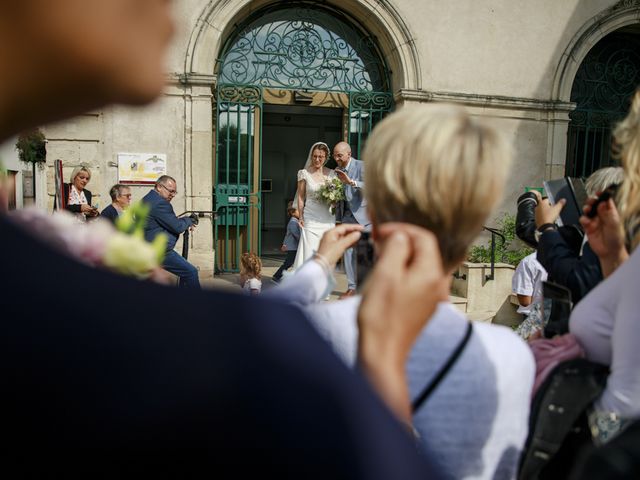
[[162, 219]]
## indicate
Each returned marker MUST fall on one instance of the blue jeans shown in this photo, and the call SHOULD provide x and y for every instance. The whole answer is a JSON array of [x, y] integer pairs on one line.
[[176, 264]]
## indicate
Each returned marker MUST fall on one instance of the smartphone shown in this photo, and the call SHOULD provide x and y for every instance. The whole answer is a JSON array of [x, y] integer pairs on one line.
[[365, 260], [556, 308], [573, 191], [610, 192]]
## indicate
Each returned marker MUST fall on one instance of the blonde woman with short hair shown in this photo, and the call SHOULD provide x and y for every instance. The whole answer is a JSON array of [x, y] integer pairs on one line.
[[77, 196], [439, 168]]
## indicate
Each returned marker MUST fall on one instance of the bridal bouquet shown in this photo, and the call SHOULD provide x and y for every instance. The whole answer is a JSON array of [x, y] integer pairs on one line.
[[331, 193]]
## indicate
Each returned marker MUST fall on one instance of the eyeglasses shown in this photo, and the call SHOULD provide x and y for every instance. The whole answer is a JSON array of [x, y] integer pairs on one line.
[[171, 192], [128, 195]]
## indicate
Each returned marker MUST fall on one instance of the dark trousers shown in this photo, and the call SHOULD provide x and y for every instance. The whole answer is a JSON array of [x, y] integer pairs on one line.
[[288, 261], [176, 264]]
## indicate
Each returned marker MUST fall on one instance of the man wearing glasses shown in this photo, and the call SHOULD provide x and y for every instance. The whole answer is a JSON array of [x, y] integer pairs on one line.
[[162, 219], [120, 201]]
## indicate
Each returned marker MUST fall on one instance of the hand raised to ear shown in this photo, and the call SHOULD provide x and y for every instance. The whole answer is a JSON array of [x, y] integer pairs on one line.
[[336, 240], [401, 295], [606, 235]]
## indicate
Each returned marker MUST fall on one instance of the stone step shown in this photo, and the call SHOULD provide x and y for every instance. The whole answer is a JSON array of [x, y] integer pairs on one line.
[[485, 317]]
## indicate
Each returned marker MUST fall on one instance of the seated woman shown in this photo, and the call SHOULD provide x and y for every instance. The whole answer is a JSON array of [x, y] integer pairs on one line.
[[120, 201], [607, 321], [77, 197], [438, 168]]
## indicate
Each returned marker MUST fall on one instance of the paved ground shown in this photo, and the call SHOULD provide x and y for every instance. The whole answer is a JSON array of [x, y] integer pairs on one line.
[[231, 281]]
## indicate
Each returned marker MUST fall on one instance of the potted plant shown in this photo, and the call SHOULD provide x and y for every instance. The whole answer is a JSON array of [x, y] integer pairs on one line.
[[32, 148]]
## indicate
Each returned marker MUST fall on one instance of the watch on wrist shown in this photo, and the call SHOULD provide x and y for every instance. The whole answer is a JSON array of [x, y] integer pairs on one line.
[[543, 228]]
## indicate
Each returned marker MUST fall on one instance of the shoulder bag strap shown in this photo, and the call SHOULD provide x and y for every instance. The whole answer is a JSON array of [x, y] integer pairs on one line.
[[428, 390]]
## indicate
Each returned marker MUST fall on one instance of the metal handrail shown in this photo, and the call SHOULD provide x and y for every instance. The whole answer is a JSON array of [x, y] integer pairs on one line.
[[493, 232], [185, 234]]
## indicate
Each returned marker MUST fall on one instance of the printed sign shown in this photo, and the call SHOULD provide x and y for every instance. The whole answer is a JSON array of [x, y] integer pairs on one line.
[[141, 168]]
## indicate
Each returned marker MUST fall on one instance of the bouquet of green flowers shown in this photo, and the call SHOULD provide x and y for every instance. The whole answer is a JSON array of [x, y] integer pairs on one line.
[[331, 193]]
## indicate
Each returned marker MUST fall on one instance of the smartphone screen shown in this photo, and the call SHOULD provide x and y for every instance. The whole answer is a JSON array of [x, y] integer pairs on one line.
[[364, 253]]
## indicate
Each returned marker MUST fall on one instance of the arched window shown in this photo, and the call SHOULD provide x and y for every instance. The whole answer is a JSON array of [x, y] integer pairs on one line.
[[303, 48], [602, 89]]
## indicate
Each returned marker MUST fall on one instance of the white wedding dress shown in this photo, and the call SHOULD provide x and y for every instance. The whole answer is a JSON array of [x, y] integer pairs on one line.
[[317, 218]]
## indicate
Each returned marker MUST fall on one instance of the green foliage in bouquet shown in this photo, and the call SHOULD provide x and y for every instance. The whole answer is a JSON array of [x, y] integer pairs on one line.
[[132, 223], [511, 251], [32, 146]]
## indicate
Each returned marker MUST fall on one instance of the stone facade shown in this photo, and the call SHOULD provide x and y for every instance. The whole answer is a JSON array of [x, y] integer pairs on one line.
[[513, 61]]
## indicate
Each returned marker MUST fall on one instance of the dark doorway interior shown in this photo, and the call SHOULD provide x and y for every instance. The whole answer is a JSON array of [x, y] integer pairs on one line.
[[287, 134]]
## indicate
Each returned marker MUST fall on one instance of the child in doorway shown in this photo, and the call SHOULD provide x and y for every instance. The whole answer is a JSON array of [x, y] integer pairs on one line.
[[290, 242], [250, 268]]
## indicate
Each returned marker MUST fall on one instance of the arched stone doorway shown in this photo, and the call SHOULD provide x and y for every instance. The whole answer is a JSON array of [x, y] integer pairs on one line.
[[288, 75], [602, 89], [574, 149]]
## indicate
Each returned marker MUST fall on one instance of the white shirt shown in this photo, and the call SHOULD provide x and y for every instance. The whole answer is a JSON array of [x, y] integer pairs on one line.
[[527, 280], [475, 423], [607, 324], [252, 284]]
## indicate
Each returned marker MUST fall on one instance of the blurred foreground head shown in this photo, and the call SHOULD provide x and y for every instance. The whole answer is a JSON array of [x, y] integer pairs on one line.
[[65, 57], [437, 167], [627, 136]]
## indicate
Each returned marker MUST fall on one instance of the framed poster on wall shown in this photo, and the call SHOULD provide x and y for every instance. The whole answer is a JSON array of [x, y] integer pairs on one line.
[[141, 168]]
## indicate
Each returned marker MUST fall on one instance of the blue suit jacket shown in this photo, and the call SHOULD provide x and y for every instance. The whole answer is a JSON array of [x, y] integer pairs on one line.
[[161, 382], [162, 219], [356, 201]]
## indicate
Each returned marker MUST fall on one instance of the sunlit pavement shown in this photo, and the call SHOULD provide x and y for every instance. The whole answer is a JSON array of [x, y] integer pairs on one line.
[[231, 281]]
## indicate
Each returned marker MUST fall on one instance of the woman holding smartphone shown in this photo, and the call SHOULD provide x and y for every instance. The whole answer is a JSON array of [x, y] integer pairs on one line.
[[78, 198]]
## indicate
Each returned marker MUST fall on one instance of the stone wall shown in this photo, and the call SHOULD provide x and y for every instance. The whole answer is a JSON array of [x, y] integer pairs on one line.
[[512, 61]]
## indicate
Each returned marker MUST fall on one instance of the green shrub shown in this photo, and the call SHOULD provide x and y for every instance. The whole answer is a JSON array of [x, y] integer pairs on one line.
[[32, 146], [510, 251]]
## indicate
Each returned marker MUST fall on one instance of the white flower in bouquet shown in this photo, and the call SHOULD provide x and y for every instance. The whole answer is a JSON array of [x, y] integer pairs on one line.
[[131, 255]]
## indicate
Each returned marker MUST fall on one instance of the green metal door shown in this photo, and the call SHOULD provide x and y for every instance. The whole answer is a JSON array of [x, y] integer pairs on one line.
[[237, 180]]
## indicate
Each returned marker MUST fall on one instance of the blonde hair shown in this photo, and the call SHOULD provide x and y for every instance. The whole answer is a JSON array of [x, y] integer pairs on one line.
[[250, 264], [77, 170], [437, 167], [603, 178], [627, 136]]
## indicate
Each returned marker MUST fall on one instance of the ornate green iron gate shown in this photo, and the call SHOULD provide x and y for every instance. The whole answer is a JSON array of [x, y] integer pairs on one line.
[[603, 86], [237, 190], [366, 109], [299, 46]]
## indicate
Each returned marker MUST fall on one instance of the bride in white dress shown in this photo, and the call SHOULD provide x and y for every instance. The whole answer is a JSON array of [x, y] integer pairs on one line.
[[315, 217]]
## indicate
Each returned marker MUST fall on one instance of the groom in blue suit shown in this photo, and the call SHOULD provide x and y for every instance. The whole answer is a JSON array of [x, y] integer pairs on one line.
[[351, 174]]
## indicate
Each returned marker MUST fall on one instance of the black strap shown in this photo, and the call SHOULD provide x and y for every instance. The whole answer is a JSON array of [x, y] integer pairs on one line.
[[428, 390]]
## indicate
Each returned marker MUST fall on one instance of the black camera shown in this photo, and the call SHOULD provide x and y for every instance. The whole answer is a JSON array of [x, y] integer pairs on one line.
[[365, 258], [194, 218]]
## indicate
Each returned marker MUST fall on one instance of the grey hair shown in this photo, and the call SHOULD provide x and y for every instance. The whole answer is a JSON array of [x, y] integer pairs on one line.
[[116, 191], [603, 178], [164, 179]]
